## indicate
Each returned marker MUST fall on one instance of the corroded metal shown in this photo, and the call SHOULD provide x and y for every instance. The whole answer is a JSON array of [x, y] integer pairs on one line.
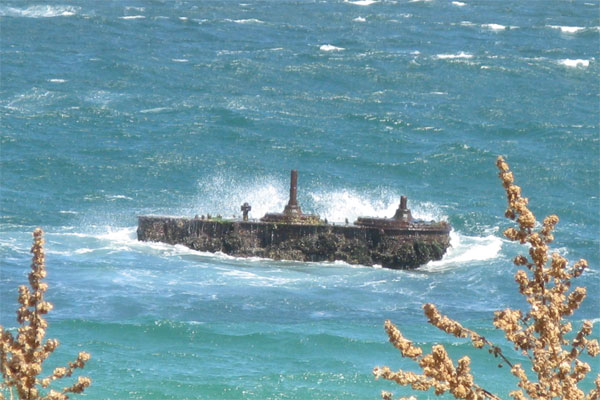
[[399, 242], [292, 213], [292, 207], [401, 219], [245, 210], [403, 213]]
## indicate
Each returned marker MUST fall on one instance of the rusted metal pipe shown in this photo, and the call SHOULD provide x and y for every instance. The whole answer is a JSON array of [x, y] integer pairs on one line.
[[294, 188], [403, 201]]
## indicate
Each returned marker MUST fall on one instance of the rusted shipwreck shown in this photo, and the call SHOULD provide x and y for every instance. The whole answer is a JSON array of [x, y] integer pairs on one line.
[[400, 242]]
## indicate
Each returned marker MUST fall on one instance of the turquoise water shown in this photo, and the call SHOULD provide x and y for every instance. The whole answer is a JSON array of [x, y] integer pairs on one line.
[[113, 109]]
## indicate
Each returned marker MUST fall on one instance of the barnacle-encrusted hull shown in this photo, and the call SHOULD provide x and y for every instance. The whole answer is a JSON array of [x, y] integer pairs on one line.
[[399, 247]]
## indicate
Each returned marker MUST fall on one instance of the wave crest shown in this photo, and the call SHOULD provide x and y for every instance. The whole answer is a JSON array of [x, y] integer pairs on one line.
[[40, 11]]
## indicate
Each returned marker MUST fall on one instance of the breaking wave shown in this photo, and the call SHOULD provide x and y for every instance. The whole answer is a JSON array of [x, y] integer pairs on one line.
[[39, 11]]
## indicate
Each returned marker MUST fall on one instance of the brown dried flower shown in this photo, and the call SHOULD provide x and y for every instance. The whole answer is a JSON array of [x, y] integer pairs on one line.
[[539, 333], [21, 358]]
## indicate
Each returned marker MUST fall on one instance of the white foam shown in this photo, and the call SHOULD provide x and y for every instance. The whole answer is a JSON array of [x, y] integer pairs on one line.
[[102, 98], [57, 80], [567, 29], [459, 3], [359, 19], [32, 101], [255, 279], [460, 55], [347, 204], [246, 21], [578, 63], [154, 110], [180, 60], [118, 235], [41, 11], [219, 194], [494, 27], [83, 251], [118, 197], [464, 250], [328, 47], [361, 2], [133, 17]]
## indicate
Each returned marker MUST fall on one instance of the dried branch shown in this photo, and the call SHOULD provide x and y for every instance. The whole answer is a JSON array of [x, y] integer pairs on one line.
[[540, 332], [22, 357]]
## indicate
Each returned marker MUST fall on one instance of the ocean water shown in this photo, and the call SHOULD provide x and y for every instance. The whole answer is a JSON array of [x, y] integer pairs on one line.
[[114, 109]]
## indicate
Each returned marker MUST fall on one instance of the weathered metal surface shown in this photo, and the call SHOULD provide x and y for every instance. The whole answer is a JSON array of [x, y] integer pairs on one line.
[[401, 219], [399, 242], [245, 208], [392, 248], [292, 213], [292, 208]]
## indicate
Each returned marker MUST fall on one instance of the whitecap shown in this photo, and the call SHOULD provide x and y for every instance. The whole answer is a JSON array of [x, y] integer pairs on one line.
[[494, 27], [578, 63], [464, 250], [567, 29], [361, 2], [154, 110], [359, 19], [462, 54], [246, 21], [84, 250], [118, 197], [57, 80], [133, 17], [459, 3], [328, 47], [180, 60], [40, 11]]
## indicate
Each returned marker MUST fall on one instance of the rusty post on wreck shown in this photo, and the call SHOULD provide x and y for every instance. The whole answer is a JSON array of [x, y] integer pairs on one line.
[[403, 214], [292, 207], [245, 209], [294, 188]]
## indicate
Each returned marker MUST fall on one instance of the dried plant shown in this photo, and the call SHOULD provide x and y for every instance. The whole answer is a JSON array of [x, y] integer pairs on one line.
[[21, 359], [542, 333]]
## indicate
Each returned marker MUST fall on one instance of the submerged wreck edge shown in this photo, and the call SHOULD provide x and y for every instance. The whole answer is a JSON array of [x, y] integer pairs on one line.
[[406, 248]]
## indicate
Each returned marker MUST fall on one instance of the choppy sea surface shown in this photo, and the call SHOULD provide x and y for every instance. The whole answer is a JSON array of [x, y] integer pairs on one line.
[[113, 109]]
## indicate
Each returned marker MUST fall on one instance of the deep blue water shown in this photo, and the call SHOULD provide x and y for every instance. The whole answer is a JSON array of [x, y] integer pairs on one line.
[[113, 109]]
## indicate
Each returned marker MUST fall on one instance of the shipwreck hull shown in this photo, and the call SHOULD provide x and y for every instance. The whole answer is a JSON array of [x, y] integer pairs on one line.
[[405, 247]]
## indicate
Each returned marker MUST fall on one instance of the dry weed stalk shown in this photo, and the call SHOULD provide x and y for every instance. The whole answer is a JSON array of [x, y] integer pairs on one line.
[[21, 359], [541, 334]]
